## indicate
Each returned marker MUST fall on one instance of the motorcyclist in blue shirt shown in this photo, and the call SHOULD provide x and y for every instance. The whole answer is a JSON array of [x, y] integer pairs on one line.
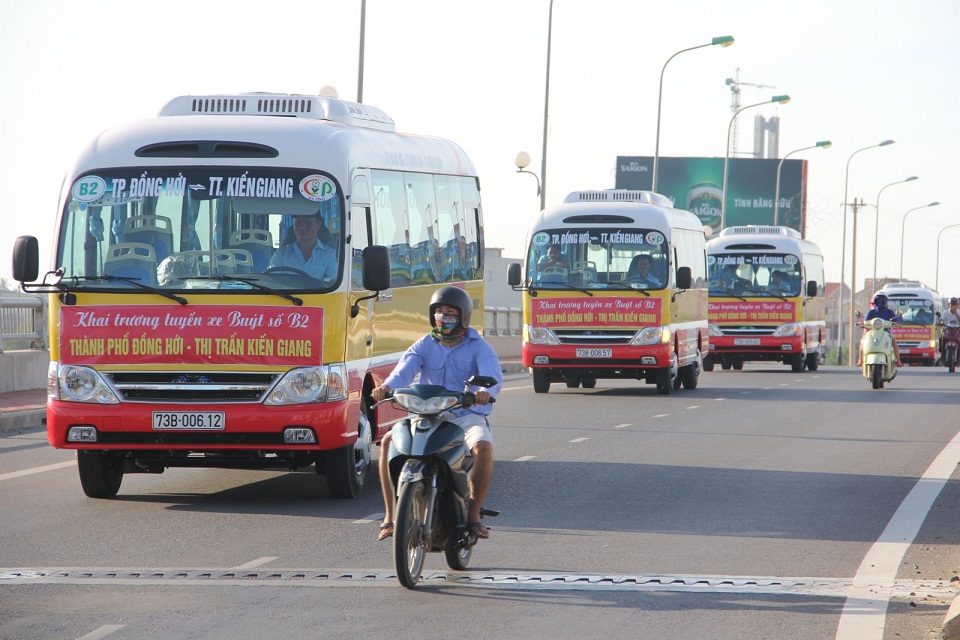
[[882, 310]]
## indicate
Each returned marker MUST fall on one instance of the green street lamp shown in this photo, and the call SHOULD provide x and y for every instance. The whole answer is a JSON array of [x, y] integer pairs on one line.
[[843, 261], [723, 41], [876, 230], [823, 144], [784, 99], [903, 228]]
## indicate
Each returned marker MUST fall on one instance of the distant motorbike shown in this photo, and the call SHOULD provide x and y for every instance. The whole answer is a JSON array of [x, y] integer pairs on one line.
[[951, 344], [429, 468], [876, 352]]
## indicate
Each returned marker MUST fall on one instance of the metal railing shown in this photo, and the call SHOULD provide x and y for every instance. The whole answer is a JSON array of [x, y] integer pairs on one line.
[[23, 323], [502, 321]]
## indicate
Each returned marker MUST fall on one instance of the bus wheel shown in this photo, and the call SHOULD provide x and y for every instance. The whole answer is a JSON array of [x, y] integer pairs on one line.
[[725, 365], [100, 473], [796, 362], [346, 468], [708, 364], [690, 375], [663, 381], [572, 382], [813, 361], [590, 383], [541, 380], [738, 365]]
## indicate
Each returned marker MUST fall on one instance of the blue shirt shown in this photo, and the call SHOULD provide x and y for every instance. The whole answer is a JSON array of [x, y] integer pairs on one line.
[[322, 264], [883, 314], [449, 367]]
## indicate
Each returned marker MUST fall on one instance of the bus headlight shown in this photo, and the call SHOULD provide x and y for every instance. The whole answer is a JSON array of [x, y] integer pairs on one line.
[[310, 384], [82, 384], [789, 329], [539, 335], [714, 330], [652, 335]]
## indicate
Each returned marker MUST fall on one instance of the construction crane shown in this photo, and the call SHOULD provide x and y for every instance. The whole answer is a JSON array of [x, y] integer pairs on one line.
[[735, 83]]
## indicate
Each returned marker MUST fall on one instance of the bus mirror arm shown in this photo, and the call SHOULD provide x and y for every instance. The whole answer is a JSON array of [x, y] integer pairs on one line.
[[355, 309]]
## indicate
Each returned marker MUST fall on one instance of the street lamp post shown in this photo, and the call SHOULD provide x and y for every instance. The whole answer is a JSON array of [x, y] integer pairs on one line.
[[546, 114], [903, 228], [522, 162], [843, 261], [784, 99], [936, 283], [363, 30], [823, 144], [876, 230], [723, 41]]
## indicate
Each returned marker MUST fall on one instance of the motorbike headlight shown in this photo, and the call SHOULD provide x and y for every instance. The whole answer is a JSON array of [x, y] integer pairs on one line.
[[652, 335], [714, 330], [416, 404], [789, 329], [310, 384], [539, 335], [877, 323], [83, 384]]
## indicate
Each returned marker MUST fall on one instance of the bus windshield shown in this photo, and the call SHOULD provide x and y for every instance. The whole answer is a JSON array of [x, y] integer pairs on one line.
[[913, 311], [202, 228], [753, 273], [598, 258]]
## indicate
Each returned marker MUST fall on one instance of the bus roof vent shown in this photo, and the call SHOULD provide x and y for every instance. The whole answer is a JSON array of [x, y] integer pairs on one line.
[[281, 104], [905, 285], [619, 195], [755, 229]]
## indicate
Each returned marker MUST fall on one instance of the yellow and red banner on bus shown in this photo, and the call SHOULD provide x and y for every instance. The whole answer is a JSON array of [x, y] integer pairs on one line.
[[606, 312], [752, 311], [191, 335]]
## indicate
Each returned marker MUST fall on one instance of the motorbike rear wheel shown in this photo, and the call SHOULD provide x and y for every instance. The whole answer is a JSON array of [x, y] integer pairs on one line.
[[409, 537]]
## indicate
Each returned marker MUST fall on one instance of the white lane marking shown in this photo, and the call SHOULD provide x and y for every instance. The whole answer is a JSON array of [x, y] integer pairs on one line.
[[373, 517], [102, 632], [744, 393], [660, 415], [719, 399], [524, 458], [784, 384], [694, 406], [865, 611], [257, 562], [579, 439], [621, 426], [30, 472]]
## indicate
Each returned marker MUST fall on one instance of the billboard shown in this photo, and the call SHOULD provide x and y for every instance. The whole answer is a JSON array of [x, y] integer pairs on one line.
[[696, 184]]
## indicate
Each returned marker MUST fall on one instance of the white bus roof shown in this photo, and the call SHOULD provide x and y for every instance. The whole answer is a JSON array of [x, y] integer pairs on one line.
[[909, 290], [615, 208], [759, 238], [190, 131]]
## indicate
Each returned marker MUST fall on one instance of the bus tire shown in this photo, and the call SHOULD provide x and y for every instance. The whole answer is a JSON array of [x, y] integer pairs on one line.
[[690, 375], [572, 383], [100, 473], [796, 362], [708, 364], [347, 468], [813, 361], [541, 380], [588, 383], [664, 383]]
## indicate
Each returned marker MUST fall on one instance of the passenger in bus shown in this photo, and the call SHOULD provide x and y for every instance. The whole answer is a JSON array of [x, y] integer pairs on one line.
[[450, 354], [778, 284], [307, 253], [639, 271], [553, 267]]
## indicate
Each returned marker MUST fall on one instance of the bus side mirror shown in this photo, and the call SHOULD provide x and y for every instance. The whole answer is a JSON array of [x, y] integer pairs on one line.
[[376, 268], [811, 288], [26, 259], [514, 275], [684, 278]]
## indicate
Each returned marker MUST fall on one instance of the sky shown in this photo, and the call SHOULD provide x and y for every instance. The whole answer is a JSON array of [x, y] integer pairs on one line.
[[858, 72]]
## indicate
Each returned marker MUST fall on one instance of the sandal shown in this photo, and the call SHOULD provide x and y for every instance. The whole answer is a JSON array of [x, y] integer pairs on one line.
[[386, 531], [478, 529]]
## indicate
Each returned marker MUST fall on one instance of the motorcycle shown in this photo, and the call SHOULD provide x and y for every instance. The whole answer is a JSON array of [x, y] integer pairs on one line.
[[951, 344], [429, 467], [876, 352]]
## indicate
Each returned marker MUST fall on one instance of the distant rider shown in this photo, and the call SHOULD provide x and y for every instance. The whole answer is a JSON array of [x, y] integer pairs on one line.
[[950, 315], [882, 310]]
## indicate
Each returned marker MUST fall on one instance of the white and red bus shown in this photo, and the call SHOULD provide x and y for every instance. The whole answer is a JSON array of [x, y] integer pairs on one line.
[[766, 298], [614, 286]]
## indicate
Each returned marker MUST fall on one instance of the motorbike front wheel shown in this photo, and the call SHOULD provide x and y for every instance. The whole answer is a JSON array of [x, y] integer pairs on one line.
[[459, 558], [952, 357], [876, 376], [409, 537]]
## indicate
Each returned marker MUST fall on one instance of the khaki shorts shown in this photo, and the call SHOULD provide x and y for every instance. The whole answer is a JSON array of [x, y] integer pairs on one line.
[[475, 428]]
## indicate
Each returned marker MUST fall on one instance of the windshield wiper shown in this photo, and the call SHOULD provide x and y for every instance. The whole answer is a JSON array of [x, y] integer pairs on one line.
[[253, 283], [135, 282], [726, 294], [626, 287], [773, 294], [567, 285]]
